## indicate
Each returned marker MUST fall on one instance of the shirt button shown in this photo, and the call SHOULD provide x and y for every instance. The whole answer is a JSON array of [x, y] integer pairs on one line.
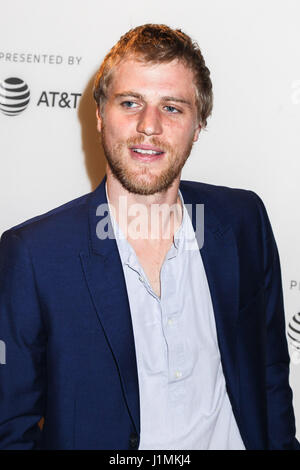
[[170, 321], [133, 441], [178, 374]]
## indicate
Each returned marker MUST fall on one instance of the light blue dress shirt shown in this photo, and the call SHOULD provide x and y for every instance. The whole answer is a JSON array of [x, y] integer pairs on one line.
[[183, 398]]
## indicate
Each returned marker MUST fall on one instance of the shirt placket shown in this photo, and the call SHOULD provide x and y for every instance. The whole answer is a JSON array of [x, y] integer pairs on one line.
[[171, 316]]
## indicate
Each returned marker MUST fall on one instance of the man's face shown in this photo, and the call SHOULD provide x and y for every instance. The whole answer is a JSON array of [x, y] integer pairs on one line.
[[149, 124]]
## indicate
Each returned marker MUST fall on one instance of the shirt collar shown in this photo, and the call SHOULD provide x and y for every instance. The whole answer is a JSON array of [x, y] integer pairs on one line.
[[128, 253], [178, 235]]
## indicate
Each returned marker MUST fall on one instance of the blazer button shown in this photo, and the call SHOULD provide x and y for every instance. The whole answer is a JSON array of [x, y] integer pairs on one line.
[[133, 440]]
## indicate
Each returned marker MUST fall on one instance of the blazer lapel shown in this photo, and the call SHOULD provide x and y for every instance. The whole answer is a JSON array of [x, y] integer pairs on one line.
[[104, 275], [220, 260]]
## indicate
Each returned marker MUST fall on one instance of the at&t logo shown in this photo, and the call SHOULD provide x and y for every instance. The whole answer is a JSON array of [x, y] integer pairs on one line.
[[14, 96], [294, 338]]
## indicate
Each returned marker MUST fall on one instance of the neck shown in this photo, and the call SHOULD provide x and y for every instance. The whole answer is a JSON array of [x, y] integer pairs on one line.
[[150, 218]]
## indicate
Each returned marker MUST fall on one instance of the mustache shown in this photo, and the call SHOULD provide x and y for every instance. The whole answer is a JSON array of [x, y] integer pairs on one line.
[[155, 141]]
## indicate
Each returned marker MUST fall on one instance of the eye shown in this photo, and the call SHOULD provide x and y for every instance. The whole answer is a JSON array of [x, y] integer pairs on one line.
[[129, 104], [172, 110]]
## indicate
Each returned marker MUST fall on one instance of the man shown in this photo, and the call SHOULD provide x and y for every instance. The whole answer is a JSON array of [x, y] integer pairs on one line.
[[117, 330]]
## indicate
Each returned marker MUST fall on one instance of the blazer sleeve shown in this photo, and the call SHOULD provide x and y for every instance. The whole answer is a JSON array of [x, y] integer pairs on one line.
[[22, 332], [281, 419]]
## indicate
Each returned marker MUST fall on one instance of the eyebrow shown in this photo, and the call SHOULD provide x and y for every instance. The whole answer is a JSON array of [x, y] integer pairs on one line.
[[141, 97]]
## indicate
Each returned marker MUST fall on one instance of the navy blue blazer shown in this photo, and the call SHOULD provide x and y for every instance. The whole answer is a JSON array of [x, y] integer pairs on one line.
[[66, 323]]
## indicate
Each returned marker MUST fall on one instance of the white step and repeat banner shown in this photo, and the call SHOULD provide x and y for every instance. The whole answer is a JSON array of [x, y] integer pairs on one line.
[[50, 149]]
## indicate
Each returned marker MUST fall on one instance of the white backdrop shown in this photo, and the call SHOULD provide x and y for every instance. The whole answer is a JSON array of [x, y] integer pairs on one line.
[[50, 153]]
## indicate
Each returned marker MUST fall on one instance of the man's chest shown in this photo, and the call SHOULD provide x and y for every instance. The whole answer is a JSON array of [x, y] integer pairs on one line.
[[151, 260]]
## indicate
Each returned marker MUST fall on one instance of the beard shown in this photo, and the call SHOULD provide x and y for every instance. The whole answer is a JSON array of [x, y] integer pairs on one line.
[[143, 179]]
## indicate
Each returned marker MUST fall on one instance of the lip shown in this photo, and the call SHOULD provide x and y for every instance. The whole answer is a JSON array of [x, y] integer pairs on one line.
[[146, 147], [143, 157]]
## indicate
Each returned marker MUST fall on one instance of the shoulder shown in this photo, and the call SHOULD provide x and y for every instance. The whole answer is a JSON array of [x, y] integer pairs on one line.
[[57, 227], [220, 196], [236, 207]]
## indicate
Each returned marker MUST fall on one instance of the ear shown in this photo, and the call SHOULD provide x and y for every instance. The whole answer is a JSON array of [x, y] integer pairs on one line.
[[99, 120], [197, 132]]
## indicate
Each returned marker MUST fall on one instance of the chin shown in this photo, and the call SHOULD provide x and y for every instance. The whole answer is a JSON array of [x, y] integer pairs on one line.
[[145, 186], [144, 180]]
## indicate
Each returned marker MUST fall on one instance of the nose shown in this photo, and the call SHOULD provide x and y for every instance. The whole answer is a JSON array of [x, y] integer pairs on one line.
[[149, 122]]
